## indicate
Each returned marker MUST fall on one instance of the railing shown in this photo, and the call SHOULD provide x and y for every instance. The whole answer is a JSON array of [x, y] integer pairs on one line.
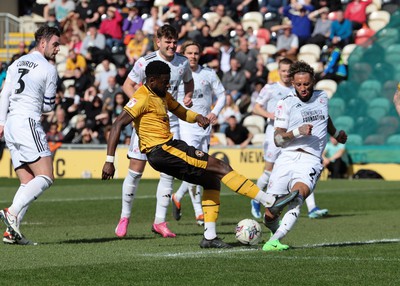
[[8, 24]]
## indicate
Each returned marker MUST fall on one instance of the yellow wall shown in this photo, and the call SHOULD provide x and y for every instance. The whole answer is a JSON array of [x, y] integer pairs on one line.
[[88, 163]]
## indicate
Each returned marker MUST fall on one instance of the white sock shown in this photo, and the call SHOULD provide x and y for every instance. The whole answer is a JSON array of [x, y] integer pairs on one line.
[[263, 180], [129, 188], [265, 199], [164, 191], [210, 231], [195, 195], [289, 219], [31, 192], [183, 188], [21, 214], [310, 201]]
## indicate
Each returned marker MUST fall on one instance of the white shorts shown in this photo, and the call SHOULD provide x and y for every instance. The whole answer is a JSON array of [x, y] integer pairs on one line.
[[26, 140], [200, 142], [292, 167], [271, 151], [134, 151]]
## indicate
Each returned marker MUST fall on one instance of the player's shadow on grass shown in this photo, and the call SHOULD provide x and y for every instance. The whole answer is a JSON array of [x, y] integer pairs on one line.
[[104, 239], [348, 243]]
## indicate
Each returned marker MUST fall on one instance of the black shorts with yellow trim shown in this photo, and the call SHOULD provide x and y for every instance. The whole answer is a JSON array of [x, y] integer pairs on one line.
[[176, 158]]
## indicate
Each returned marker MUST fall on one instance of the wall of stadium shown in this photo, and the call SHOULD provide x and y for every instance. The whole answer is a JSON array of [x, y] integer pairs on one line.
[[88, 163]]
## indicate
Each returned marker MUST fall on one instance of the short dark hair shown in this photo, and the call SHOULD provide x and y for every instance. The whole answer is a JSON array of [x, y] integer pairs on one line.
[[45, 32], [156, 68], [167, 31], [300, 67]]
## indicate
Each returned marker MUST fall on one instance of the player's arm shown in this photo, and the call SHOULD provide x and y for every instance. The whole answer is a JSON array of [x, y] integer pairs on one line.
[[189, 88], [4, 104], [259, 110], [219, 91], [129, 87], [340, 136], [49, 98], [282, 136], [120, 122]]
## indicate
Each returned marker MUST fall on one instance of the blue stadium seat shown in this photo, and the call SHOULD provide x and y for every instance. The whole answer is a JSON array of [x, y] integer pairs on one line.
[[345, 123], [393, 140], [369, 89], [354, 139], [378, 108], [336, 106]]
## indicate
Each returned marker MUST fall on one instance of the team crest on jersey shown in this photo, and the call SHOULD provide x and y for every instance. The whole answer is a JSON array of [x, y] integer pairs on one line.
[[322, 100], [131, 103], [181, 71], [199, 153], [278, 110]]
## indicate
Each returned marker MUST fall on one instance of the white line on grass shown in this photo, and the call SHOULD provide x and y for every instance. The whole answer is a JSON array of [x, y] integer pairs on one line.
[[202, 253]]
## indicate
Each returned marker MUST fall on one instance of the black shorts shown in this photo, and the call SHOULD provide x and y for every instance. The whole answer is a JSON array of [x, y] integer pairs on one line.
[[176, 158]]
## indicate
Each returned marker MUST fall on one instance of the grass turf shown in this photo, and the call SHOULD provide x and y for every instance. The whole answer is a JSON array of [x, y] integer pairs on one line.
[[74, 222]]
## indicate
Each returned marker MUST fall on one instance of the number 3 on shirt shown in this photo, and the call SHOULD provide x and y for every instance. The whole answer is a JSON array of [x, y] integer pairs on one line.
[[20, 81]]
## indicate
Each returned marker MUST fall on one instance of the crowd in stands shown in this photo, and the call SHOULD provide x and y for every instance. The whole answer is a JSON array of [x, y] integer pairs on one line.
[[104, 38]]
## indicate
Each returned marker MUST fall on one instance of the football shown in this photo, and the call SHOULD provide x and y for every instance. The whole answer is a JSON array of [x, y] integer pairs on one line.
[[248, 232]]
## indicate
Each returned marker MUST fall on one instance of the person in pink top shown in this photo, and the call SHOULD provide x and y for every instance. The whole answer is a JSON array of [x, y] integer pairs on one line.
[[111, 27], [356, 13]]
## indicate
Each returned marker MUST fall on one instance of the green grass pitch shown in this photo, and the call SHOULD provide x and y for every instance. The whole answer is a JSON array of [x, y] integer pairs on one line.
[[74, 222]]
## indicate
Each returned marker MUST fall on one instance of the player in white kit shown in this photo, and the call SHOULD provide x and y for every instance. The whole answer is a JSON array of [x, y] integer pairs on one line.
[[301, 126], [265, 106], [207, 85], [29, 91], [166, 40]]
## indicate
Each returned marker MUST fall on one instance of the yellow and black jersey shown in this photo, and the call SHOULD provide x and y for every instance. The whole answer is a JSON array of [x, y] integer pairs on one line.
[[149, 112]]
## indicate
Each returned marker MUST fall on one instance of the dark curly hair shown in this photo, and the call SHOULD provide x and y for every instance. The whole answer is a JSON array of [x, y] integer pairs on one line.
[[300, 67]]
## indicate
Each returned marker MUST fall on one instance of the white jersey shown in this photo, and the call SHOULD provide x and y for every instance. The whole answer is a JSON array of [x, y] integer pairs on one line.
[[206, 85], [270, 94], [30, 87], [180, 72], [292, 113]]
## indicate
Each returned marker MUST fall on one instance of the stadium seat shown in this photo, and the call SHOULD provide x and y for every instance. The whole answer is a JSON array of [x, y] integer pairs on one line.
[[388, 36], [252, 19], [347, 89], [363, 35], [354, 139], [221, 138], [388, 125], [347, 50], [332, 16], [267, 51], [336, 106], [369, 90], [378, 20], [356, 107], [328, 85], [359, 71], [344, 122], [392, 55], [365, 125], [263, 37], [309, 53], [378, 108], [210, 16], [374, 139], [258, 139], [255, 124], [371, 8], [393, 140]]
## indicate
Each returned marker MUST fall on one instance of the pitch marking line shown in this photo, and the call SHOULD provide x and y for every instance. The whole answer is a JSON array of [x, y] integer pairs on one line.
[[202, 253]]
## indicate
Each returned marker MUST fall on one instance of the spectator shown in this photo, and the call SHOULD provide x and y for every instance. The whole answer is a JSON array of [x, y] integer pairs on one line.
[[322, 27], [228, 110], [104, 71], [335, 68], [82, 81], [221, 25], [335, 158], [237, 134], [88, 137], [301, 24], [341, 30], [332, 5], [136, 47], [111, 27], [122, 74], [86, 11], [77, 124], [52, 21], [287, 42], [227, 51], [93, 45], [74, 61], [120, 100], [75, 43], [195, 23], [132, 24], [356, 13], [110, 92], [70, 101], [102, 121], [72, 24], [21, 52], [91, 106], [54, 137], [247, 58], [275, 7], [234, 80], [210, 45], [152, 23], [61, 9], [239, 33], [174, 17]]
